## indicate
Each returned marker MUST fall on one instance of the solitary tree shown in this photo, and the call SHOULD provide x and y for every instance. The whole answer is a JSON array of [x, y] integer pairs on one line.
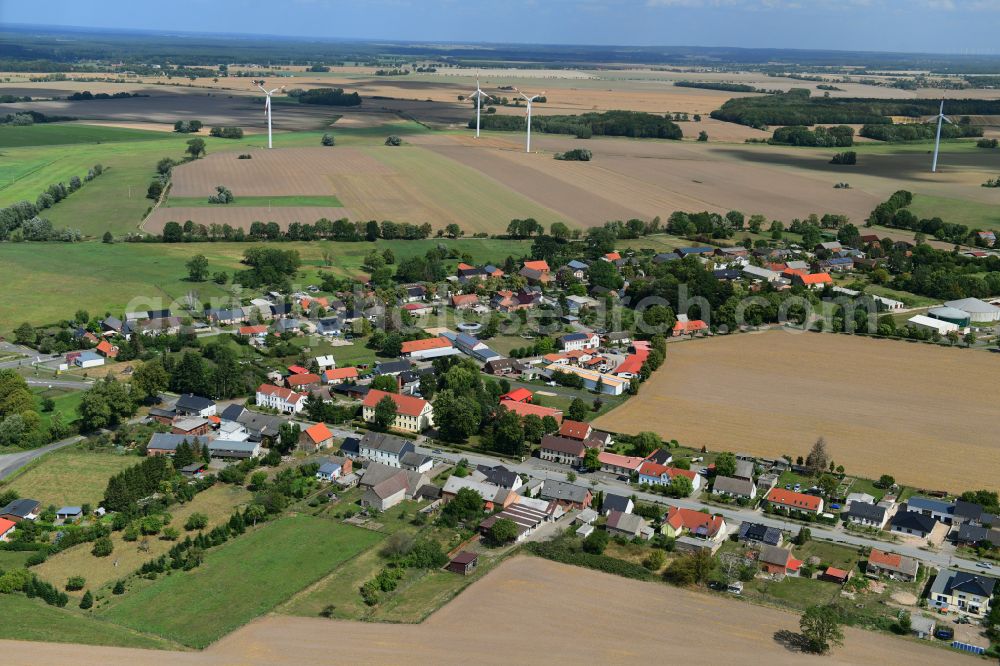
[[503, 532], [725, 464], [87, 601], [818, 458], [820, 626], [197, 268], [195, 147]]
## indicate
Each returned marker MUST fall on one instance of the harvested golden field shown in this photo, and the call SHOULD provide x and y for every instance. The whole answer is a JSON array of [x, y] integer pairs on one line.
[[241, 216], [926, 415], [536, 609]]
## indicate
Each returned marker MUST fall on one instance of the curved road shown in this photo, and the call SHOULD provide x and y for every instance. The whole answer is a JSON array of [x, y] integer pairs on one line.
[[12, 462]]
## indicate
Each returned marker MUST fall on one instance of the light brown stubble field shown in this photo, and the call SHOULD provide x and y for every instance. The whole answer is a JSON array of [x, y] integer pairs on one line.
[[926, 415], [534, 608]]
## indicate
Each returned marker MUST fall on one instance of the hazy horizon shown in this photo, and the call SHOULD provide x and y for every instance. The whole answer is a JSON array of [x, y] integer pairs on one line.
[[902, 26]]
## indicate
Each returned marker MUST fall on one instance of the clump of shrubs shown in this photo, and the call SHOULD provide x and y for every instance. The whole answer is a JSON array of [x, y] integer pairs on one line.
[[847, 157], [575, 155], [223, 195]]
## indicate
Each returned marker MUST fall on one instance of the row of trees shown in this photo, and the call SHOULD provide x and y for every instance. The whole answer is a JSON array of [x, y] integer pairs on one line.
[[342, 230], [608, 123], [840, 136], [21, 221], [917, 132]]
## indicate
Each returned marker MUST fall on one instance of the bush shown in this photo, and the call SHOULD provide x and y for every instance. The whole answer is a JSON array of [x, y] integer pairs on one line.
[[102, 547], [559, 551], [196, 521], [227, 132], [986, 143], [393, 140], [848, 157], [119, 588], [575, 155], [328, 140], [75, 583], [87, 601], [596, 542]]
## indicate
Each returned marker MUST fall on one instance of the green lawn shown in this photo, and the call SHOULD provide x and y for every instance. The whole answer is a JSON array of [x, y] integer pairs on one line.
[[53, 134], [958, 211], [70, 476], [66, 403], [13, 559], [241, 580], [323, 201], [32, 620]]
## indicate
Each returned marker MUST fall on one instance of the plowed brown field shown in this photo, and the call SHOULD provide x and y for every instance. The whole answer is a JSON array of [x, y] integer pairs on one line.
[[554, 614], [279, 172], [926, 415]]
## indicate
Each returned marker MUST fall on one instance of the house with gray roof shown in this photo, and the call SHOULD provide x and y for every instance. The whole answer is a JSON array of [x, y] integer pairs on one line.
[[628, 525], [964, 592], [912, 523], [567, 494], [869, 515], [757, 533], [728, 486]]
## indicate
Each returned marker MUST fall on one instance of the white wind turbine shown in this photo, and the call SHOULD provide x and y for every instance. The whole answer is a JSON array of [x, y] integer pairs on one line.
[[529, 100], [937, 141], [479, 95], [267, 105]]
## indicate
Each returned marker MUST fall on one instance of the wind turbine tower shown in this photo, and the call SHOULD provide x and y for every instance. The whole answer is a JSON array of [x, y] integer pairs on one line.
[[529, 100], [479, 95], [941, 118], [267, 105]]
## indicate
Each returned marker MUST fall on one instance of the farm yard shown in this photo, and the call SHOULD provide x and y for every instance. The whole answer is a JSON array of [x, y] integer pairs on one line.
[[884, 406], [538, 593]]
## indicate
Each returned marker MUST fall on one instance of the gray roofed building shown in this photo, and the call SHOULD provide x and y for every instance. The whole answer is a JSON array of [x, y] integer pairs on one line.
[[392, 367], [759, 533], [229, 448], [232, 412], [416, 461], [909, 522], [620, 503], [625, 524], [863, 513], [194, 405], [260, 426], [744, 470], [727, 485], [562, 491], [166, 442], [21, 509], [500, 475]]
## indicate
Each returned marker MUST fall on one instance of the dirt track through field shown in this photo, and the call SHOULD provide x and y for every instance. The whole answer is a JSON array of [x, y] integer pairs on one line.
[[528, 610], [926, 415]]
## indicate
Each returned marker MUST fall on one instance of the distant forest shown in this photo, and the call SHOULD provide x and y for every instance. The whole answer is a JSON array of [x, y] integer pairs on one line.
[[798, 107], [52, 49], [717, 85], [610, 123]]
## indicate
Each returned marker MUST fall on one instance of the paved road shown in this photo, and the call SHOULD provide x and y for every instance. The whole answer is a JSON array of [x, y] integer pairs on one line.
[[12, 462], [535, 468], [60, 383]]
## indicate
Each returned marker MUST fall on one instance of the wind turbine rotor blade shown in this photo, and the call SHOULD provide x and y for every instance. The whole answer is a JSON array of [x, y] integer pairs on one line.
[[947, 120]]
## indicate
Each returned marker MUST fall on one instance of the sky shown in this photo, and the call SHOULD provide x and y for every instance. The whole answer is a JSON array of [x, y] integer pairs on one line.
[[930, 26]]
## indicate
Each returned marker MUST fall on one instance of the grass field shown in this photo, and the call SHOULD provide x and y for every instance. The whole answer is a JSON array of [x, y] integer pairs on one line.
[[302, 200], [70, 477], [241, 580], [217, 503], [919, 412], [66, 403], [61, 134], [32, 620], [959, 211]]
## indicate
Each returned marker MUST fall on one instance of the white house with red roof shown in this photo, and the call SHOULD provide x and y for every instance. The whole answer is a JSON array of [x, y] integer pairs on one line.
[[656, 474], [280, 398], [413, 414], [697, 524], [618, 464], [7, 528]]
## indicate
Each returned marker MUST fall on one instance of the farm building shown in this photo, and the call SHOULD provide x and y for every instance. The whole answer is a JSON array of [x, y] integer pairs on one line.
[[926, 323], [464, 563], [953, 315], [89, 359], [428, 348], [979, 311], [609, 384], [523, 409]]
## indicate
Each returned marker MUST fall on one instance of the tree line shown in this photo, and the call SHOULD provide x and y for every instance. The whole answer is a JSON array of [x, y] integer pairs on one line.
[[21, 221], [608, 123], [840, 136], [798, 107], [326, 97], [918, 132], [342, 230]]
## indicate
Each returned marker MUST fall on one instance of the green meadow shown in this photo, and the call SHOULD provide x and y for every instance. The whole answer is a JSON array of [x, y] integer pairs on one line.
[[241, 580]]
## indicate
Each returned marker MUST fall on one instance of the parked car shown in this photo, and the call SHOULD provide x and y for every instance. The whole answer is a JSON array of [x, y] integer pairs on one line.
[[984, 565]]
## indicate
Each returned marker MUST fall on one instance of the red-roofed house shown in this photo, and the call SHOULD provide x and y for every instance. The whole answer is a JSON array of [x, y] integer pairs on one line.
[[523, 409], [7, 528], [426, 348], [413, 414], [315, 438], [813, 280], [793, 501], [106, 349], [897, 567], [689, 327], [283, 399], [303, 382], [835, 575], [418, 309], [612, 256], [518, 395], [577, 430], [464, 301], [339, 375], [617, 464], [298, 370], [694, 523], [541, 265], [258, 332], [660, 475]]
